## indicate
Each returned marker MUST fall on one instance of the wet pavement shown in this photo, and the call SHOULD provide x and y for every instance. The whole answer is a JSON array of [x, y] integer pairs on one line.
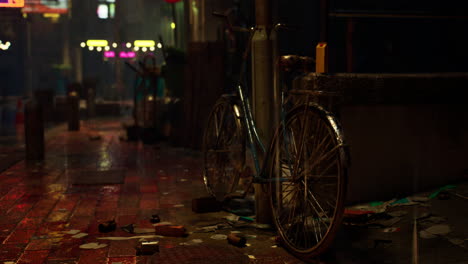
[[51, 208]]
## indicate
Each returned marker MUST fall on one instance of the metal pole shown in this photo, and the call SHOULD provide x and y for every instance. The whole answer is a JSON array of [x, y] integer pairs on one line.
[[34, 131], [263, 94]]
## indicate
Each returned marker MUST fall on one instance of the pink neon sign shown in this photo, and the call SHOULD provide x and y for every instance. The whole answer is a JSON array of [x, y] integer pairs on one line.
[[109, 54], [129, 54]]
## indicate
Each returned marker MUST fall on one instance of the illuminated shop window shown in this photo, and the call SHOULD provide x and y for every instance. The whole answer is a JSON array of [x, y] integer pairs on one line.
[[106, 9]]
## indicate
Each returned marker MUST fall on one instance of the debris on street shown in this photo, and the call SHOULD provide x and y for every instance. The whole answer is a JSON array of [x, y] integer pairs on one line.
[[219, 237], [147, 248], [107, 227], [434, 231], [93, 246], [236, 240]]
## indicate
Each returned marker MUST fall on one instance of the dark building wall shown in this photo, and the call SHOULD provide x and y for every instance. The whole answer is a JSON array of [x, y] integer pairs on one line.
[[392, 44]]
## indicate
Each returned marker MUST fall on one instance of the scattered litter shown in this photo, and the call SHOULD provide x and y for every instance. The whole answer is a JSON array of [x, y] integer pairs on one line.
[[183, 180], [456, 241], [263, 226], [147, 248], [250, 236], [155, 219], [80, 235], [248, 245], [251, 256], [439, 229], [129, 228], [459, 195], [426, 235], [219, 237], [130, 238], [246, 218], [232, 218], [235, 232], [206, 229], [436, 193], [397, 213], [72, 232], [434, 219], [191, 242], [170, 230], [434, 230], [403, 202], [274, 246], [108, 226], [236, 240], [391, 230], [93, 246], [178, 205]]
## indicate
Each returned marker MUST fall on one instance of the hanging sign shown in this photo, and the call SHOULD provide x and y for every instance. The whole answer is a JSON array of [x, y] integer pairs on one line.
[[45, 6], [11, 3]]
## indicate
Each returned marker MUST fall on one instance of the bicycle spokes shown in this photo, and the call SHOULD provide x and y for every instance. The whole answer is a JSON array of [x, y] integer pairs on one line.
[[306, 180]]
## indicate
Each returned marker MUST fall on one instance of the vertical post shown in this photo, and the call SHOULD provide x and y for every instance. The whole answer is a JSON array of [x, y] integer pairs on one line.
[[34, 131], [263, 94], [73, 111]]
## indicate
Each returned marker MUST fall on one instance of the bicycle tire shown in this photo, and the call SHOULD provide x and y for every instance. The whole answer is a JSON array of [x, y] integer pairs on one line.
[[296, 197], [223, 148]]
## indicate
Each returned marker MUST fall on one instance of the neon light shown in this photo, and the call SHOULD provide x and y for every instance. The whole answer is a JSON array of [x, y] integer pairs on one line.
[[42, 6], [103, 11], [51, 15], [129, 54], [97, 43], [173, 25], [5, 46], [144, 43], [11, 3], [109, 54]]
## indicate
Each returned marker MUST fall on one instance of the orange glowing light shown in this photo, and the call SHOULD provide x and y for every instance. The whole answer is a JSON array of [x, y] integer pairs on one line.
[[11, 3]]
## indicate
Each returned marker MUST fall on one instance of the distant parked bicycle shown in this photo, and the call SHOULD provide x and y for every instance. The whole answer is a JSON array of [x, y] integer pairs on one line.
[[304, 167]]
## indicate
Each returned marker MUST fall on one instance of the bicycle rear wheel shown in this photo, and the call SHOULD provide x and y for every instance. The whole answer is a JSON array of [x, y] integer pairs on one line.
[[224, 148], [307, 180]]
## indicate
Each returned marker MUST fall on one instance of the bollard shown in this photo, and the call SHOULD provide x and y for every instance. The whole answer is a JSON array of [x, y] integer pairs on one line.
[[34, 131], [73, 111]]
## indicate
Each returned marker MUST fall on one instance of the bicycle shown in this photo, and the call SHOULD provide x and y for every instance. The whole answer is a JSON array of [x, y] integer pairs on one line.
[[304, 167]]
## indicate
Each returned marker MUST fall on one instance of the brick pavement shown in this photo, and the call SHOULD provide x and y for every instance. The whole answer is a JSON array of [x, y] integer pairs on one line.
[[40, 202]]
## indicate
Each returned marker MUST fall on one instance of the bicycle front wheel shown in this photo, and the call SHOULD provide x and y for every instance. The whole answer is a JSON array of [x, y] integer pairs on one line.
[[307, 180], [223, 148]]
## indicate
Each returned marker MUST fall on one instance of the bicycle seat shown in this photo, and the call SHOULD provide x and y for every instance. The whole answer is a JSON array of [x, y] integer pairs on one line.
[[296, 63]]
